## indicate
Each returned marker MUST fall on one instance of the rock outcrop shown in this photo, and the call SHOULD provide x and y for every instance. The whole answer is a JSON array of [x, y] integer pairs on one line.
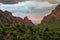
[[6, 18], [27, 21], [53, 17]]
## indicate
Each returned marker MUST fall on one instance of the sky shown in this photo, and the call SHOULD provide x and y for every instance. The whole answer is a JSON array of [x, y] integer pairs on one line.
[[34, 9]]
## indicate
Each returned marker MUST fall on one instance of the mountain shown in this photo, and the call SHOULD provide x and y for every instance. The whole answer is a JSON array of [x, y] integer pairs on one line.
[[27, 21], [6, 18], [53, 17]]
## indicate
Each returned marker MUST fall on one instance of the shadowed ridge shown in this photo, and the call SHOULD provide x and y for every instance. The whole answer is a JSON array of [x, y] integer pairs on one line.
[[53, 17], [6, 18]]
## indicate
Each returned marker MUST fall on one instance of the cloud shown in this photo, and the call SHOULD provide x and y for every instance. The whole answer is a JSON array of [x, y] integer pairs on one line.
[[31, 9], [11, 1], [16, 1], [28, 7], [51, 1]]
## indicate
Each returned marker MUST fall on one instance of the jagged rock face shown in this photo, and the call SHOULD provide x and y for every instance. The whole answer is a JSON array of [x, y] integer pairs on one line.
[[6, 18], [56, 11], [54, 16], [19, 20], [24, 21], [28, 22]]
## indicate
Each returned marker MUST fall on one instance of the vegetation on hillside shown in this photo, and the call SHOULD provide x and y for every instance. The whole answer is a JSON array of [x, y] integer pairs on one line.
[[21, 32]]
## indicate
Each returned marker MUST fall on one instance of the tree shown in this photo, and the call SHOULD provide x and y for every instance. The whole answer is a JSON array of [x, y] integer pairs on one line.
[[46, 29]]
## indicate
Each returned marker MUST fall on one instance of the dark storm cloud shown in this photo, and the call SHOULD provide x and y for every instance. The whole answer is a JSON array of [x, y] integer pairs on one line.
[[11, 1], [50, 1], [16, 1]]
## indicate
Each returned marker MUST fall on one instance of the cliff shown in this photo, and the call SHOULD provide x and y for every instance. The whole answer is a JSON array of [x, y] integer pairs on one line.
[[53, 17]]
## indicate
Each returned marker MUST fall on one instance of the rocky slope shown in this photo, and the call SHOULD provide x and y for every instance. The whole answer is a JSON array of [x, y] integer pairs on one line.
[[6, 18], [53, 17]]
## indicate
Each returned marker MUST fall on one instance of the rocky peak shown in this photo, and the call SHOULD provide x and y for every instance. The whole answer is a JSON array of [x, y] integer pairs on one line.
[[26, 18], [54, 16], [7, 13], [28, 22], [56, 11], [6, 18]]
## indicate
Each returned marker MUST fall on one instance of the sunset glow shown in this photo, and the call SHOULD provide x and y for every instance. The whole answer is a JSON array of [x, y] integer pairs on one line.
[[38, 19]]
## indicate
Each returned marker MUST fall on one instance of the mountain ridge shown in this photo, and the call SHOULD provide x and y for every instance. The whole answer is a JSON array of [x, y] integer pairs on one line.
[[6, 18], [54, 16]]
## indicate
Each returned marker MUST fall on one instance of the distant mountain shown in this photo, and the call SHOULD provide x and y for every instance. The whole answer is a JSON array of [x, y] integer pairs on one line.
[[6, 18], [53, 17]]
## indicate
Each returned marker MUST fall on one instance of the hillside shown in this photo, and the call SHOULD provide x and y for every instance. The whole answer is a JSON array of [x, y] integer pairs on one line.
[[54, 16], [52, 21], [6, 18]]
